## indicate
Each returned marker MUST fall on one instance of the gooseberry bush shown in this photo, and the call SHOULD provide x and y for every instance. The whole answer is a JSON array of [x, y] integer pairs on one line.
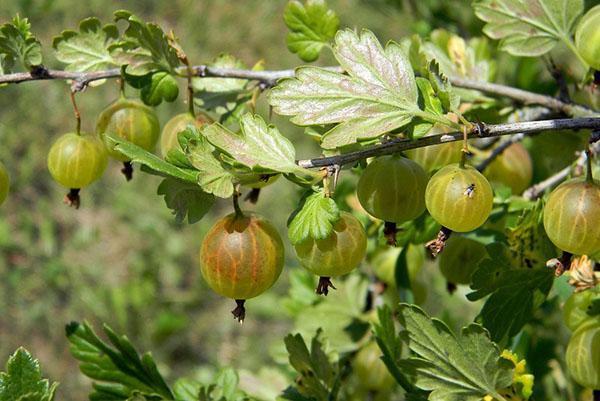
[[426, 164]]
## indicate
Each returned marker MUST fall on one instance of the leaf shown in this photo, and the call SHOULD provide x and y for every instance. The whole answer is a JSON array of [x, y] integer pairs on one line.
[[87, 50], [145, 48], [154, 164], [23, 380], [311, 26], [529, 27], [162, 86], [185, 199], [516, 292], [466, 367], [19, 46], [258, 146], [314, 218], [122, 373], [378, 95]]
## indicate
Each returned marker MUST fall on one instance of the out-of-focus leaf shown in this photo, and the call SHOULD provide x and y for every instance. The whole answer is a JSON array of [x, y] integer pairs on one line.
[[314, 218], [87, 50], [18, 45], [23, 380], [185, 199], [312, 25], [378, 94], [464, 367], [162, 86], [529, 28]]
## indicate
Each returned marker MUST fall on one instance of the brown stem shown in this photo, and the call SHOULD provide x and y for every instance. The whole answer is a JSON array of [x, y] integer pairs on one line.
[[127, 170], [72, 198], [498, 150], [77, 113], [390, 229], [437, 245], [236, 203], [324, 285], [239, 313]]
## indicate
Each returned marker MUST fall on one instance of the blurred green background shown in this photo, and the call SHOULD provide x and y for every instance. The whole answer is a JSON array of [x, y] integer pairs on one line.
[[122, 259]]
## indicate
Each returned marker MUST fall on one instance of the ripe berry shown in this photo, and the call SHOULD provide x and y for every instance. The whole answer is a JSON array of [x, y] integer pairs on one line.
[[461, 258], [583, 354], [572, 217], [392, 188], [168, 138], [241, 257], [512, 168], [459, 198], [587, 37], [4, 183], [370, 370], [76, 161], [336, 255], [131, 120]]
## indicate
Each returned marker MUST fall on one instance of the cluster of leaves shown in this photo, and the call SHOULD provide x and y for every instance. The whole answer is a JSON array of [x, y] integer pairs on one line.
[[19, 48]]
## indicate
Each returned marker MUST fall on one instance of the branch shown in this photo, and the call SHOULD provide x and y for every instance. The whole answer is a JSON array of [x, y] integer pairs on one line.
[[498, 150], [270, 77], [481, 131]]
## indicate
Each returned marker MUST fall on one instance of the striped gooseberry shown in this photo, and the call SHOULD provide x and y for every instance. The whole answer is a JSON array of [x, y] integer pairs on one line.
[[577, 305], [392, 188], [587, 37], [583, 354], [129, 119], [4, 183], [241, 257], [370, 370], [75, 161], [512, 168], [572, 217], [461, 258], [338, 254], [168, 137], [459, 197]]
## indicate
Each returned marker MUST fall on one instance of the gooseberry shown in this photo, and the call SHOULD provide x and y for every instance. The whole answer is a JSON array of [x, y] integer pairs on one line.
[[168, 137], [576, 307], [338, 254], [512, 168], [459, 198], [241, 257], [587, 37], [392, 188], [572, 217], [583, 354], [370, 370]]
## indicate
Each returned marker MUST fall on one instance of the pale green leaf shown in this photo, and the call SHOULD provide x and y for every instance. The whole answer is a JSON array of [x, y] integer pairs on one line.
[[529, 27], [464, 367], [19, 46], [185, 200], [378, 95], [23, 380], [87, 50], [312, 25], [314, 218]]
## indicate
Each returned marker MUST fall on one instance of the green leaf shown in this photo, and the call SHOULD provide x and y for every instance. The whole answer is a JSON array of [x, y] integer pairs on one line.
[[87, 50], [185, 199], [317, 373], [529, 27], [23, 380], [311, 26], [162, 86], [117, 366], [19, 46], [258, 146], [464, 367], [314, 218], [145, 48], [378, 95], [516, 292], [213, 177], [154, 164]]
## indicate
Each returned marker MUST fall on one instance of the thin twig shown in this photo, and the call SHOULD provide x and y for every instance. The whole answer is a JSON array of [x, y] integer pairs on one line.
[[269, 77], [498, 150], [402, 144]]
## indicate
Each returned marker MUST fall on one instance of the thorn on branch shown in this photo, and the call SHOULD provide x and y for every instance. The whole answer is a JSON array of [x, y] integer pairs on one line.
[[239, 313], [72, 198], [437, 245], [480, 129]]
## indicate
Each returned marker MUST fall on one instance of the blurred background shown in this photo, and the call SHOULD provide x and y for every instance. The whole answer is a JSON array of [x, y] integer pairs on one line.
[[122, 259]]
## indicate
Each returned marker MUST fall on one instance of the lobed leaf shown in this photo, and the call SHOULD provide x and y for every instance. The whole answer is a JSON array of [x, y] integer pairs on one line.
[[312, 25], [314, 218], [87, 50], [23, 380], [529, 27], [378, 95], [185, 199], [18, 46]]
